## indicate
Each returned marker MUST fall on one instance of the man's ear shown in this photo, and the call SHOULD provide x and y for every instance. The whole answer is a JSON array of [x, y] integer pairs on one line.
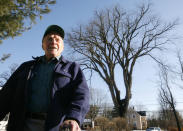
[[63, 46], [43, 42], [42, 46]]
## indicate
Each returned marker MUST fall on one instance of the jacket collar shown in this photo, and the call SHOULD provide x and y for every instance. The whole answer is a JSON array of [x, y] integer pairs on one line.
[[38, 59], [62, 59]]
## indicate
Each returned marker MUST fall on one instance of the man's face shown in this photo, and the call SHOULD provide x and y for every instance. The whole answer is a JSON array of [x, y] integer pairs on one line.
[[52, 45]]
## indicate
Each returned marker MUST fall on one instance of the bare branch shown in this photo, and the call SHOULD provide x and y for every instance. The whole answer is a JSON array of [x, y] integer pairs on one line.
[[4, 57], [165, 94]]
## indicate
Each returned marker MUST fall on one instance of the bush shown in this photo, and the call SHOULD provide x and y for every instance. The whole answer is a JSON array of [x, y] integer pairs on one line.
[[116, 124], [111, 126], [172, 129], [120, 123], [101, 122]]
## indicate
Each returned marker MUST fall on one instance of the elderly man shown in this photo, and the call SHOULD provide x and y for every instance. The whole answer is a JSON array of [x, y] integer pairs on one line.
[[47, 93]]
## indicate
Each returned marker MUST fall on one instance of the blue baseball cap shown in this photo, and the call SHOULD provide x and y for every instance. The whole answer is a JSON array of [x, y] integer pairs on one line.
[[54, 29]]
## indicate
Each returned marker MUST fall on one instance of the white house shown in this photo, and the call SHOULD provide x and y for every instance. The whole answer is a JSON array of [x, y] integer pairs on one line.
[[137, 119]]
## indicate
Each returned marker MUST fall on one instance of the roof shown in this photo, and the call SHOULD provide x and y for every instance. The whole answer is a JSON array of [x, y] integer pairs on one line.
[[142, 113]]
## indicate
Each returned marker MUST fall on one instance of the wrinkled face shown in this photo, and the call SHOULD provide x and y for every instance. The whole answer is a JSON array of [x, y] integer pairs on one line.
[[52, 45]]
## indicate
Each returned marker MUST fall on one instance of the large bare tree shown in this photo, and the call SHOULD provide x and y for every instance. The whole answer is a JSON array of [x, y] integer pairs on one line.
[[117, 38]]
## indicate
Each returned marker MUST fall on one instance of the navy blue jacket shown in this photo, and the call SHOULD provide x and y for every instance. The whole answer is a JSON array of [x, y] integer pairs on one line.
[[69, 95]]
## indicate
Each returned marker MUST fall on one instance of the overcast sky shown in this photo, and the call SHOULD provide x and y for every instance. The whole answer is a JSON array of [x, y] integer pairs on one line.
[[70, 13]]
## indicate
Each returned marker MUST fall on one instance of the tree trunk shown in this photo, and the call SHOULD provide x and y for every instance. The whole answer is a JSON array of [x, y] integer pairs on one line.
[[123, 106], [176, 118]]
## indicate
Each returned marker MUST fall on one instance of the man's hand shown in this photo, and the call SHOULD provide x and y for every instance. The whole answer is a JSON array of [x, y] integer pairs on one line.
[[71, 124]]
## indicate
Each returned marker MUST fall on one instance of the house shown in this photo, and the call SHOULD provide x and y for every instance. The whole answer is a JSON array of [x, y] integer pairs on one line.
[[137, 119]]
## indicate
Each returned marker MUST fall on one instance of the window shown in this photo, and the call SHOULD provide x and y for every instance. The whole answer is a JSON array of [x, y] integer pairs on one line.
[[143, 123], [133, 116], [134, 125]]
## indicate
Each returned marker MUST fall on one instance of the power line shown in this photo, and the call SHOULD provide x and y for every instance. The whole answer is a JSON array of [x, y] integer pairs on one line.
[[151, 104]]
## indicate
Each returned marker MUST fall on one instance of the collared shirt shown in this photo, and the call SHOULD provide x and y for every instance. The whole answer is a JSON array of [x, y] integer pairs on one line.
[[40, 85]]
